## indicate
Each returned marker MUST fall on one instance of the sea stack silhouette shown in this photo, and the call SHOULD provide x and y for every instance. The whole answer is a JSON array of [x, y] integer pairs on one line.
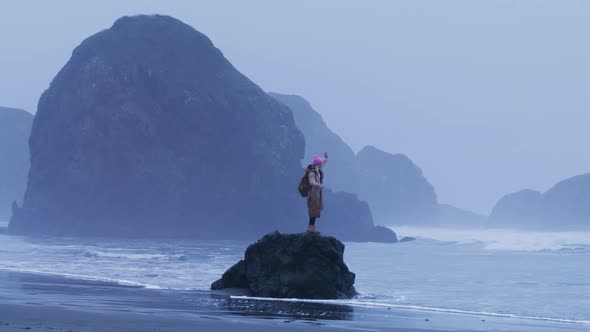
[[394, 187], [563, 207], [149, 131], [15, 127], [319, 137]]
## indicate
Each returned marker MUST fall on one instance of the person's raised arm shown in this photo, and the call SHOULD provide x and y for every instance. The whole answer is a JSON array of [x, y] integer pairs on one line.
[[325, 159]]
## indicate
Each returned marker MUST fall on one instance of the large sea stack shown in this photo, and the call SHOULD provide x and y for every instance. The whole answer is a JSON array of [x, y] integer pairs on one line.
[[396, 189], [522, 208], [149, 131], [15, 127], [562, 207], [567, 204]]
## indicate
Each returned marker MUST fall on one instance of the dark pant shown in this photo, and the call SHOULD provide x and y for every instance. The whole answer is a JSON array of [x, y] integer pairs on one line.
[[312, 221]]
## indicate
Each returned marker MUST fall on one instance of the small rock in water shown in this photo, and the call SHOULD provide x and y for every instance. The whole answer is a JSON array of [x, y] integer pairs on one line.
[[407, 239], [306, 266]]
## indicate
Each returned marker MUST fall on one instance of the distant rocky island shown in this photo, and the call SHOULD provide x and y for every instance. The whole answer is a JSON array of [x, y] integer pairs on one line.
[[398, 193], [148, 130], [564, 206], [15, 127], [393, 186]]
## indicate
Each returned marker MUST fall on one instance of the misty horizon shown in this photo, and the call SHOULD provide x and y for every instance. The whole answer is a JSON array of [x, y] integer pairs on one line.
[[486, 98], [267, 166]]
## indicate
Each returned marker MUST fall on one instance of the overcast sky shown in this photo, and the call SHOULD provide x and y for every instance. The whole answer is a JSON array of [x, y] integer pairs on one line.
[[487, 97]]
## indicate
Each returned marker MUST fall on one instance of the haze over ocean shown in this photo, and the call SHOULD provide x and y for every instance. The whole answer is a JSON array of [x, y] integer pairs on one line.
[[165, 182], [486, 97]]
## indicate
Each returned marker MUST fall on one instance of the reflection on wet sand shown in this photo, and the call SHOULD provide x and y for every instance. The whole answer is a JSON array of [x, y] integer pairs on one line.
[[285, 309]]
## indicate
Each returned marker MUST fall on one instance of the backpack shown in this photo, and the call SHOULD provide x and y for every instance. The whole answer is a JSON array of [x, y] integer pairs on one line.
[[304, 185]]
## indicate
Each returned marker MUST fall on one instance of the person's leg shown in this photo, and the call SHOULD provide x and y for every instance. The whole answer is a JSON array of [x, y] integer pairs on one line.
[[311, 228]]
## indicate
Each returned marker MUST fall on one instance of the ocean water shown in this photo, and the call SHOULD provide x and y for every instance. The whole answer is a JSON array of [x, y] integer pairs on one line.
[[499, 273]]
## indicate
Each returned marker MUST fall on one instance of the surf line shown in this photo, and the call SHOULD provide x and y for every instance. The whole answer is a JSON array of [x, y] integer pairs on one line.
[[416, 308], [64, 275]]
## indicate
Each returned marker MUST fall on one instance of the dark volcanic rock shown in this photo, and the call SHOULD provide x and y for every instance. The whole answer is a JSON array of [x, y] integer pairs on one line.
[[396, 189], [342, 171], [15, 127], [407, 239], [307, 266], [234, 277], [149, 130]]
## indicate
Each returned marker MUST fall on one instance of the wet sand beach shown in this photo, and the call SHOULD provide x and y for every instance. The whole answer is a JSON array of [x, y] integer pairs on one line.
[[39, 302]]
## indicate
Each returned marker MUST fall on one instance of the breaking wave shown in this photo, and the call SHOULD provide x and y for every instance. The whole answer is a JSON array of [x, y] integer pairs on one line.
[[504, 239], [112, 281]]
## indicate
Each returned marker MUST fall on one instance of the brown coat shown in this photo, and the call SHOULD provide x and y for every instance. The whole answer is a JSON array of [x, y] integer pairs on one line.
[[315, 202]]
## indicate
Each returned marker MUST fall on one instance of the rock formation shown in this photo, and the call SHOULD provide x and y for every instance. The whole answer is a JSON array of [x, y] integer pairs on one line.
[[402, 200], [306, 266], [344, 212], [407, 239], [149, 131], [568, 202], [15, 127], [451, 216], [564, 206], [395, 188], [343, 171], [522, 207]]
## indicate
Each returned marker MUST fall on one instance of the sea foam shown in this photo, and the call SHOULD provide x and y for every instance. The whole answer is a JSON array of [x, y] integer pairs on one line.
[[503, 239], [416, 308]]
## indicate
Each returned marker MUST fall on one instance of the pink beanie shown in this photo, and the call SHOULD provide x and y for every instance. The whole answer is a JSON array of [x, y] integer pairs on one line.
[[317, 161]]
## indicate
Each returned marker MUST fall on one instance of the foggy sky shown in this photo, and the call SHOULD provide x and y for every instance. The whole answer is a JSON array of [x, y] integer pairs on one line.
[[486, 97]]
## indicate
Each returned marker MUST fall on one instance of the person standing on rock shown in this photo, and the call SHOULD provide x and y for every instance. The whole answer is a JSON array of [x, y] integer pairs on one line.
[[315, 202]]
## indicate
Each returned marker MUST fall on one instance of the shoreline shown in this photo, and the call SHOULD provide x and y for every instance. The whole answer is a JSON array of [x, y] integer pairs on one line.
[[15, 317], [50, 302]]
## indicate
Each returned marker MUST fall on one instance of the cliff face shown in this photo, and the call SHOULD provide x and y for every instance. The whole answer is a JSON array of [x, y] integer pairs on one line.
[[343, 175], [15, 127], [395, 188], [149, 131], [564, 206]]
